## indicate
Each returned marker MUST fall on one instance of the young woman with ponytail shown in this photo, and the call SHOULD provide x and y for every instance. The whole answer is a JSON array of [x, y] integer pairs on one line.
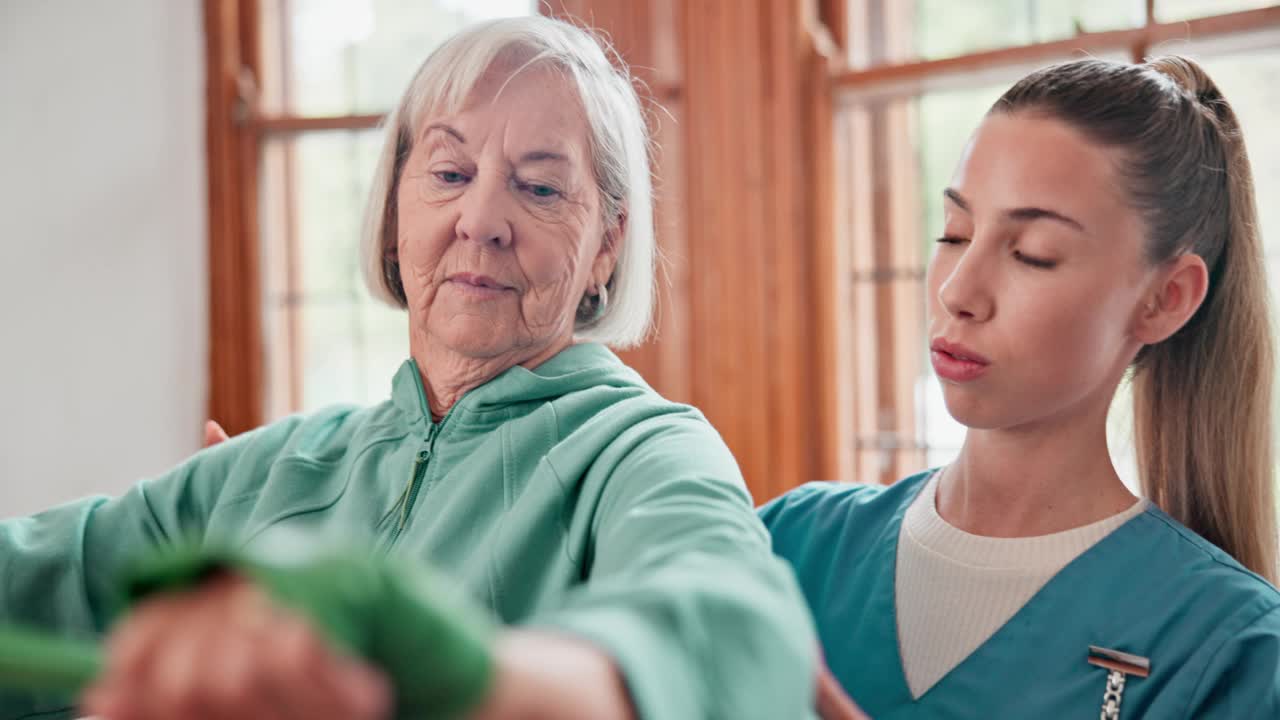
[[1101, 225]]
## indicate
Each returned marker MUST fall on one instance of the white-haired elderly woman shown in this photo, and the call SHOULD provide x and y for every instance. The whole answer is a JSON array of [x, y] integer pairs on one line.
[[606, 531]]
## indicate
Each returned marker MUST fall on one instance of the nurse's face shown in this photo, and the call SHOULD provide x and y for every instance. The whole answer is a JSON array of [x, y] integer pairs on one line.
[[500, 221], [1035, 285]]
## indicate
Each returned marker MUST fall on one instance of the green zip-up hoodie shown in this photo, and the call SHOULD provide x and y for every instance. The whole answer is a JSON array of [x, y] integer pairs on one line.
[[569, 497]]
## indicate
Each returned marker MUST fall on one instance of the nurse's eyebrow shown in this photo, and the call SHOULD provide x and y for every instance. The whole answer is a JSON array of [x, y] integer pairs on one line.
[[446, 129], [1022, 214], [956, 198], [1027, 214]]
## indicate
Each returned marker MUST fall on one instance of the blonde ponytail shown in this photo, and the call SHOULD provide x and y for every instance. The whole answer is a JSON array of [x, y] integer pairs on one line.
[[1202, 398]]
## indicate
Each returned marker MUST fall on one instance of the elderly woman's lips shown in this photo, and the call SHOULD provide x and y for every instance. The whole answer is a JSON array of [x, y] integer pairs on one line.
[[478, 280], [477, 286]]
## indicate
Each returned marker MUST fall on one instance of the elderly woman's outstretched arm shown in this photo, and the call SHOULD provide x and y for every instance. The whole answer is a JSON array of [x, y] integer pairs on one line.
[[61, 568], [683, 592]]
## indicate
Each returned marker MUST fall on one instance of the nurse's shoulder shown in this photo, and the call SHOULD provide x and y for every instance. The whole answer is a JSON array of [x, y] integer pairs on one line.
[[1234, 616], [827, 516], [1196, 571]]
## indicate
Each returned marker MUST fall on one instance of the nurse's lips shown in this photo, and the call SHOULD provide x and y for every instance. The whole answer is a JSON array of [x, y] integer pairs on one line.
[[956, 363], [478, 286]]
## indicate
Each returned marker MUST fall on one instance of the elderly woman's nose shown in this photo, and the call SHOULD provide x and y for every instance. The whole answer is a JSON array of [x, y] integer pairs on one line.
[[485, 212]]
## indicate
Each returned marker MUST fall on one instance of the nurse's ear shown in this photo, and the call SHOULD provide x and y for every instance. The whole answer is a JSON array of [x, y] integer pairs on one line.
[[1176, 292]]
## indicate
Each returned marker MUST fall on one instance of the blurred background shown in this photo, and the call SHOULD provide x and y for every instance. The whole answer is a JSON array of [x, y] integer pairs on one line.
[[182, 184]]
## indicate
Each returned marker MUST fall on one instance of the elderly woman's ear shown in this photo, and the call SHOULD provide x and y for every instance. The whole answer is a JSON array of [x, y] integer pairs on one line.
[[607, 259]]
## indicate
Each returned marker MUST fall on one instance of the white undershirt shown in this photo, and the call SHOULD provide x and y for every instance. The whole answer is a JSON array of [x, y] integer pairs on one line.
[[954, 590]]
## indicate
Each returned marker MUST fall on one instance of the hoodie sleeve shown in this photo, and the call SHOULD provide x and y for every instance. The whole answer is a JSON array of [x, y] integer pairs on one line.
[[60, 568], [683, 591]]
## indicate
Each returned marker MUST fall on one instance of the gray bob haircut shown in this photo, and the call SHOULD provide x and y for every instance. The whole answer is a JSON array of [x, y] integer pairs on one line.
[[619, 146]]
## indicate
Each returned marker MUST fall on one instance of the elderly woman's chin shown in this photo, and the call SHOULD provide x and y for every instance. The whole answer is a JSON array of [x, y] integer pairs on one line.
[[476, 332]]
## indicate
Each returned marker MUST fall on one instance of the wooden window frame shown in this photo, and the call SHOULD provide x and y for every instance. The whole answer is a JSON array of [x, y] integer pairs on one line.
[[913, 78], [780, 65], [883, 425], [235, 312], [697, 355]]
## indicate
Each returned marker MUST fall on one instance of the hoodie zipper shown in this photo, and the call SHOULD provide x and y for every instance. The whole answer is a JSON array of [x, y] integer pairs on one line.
[[410, 494]]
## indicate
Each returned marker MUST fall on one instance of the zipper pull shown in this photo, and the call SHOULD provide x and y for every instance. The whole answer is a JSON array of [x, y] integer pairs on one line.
[[429, 446], [415, 480]]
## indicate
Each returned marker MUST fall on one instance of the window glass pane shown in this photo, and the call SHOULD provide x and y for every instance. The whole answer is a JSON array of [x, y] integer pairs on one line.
[[1247, 81], [333, 172], [328, 340], [357, 56], [385, 342], [1171, 10], [351, 350], [945, 121], [330, 354], [946, 28]]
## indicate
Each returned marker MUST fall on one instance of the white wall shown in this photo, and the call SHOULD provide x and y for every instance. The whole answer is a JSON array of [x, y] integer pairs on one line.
[[102, 245]]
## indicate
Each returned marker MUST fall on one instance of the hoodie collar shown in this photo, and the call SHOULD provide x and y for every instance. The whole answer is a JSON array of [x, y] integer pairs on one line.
[[576, 367]]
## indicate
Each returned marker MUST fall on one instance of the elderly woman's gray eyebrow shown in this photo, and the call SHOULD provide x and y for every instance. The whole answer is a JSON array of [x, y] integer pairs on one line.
[[532, 156], [445, 129]]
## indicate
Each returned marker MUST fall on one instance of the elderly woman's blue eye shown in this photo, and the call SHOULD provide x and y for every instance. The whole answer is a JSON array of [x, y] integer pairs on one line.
[[541, 191], [451, 176]]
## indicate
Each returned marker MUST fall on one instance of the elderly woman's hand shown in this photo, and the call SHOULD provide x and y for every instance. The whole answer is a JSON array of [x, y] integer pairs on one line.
[[833, 703], [225, 650], [213, 433]]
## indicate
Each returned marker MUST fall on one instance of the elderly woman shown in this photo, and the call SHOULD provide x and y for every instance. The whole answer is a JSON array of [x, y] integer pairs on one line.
[[606, 530]]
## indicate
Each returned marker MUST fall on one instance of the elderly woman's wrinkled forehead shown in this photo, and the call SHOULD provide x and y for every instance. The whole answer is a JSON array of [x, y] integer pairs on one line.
[[529, 113], [535, 106]]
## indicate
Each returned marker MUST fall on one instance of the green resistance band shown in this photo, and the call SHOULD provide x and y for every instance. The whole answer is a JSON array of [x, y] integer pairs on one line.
[[415, 627], [31, 660]]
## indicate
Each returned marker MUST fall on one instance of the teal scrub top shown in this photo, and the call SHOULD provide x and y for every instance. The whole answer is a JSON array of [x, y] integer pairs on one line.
[[1152, 588]]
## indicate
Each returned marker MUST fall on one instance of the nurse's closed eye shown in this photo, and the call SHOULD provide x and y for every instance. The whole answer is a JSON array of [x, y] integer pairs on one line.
[[1034, 261]]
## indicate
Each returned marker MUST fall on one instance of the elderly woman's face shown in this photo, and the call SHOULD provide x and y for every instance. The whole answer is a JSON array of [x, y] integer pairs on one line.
[[499, 221]]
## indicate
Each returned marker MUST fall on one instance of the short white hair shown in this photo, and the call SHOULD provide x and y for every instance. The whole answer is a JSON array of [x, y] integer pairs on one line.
[[619, 146]]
